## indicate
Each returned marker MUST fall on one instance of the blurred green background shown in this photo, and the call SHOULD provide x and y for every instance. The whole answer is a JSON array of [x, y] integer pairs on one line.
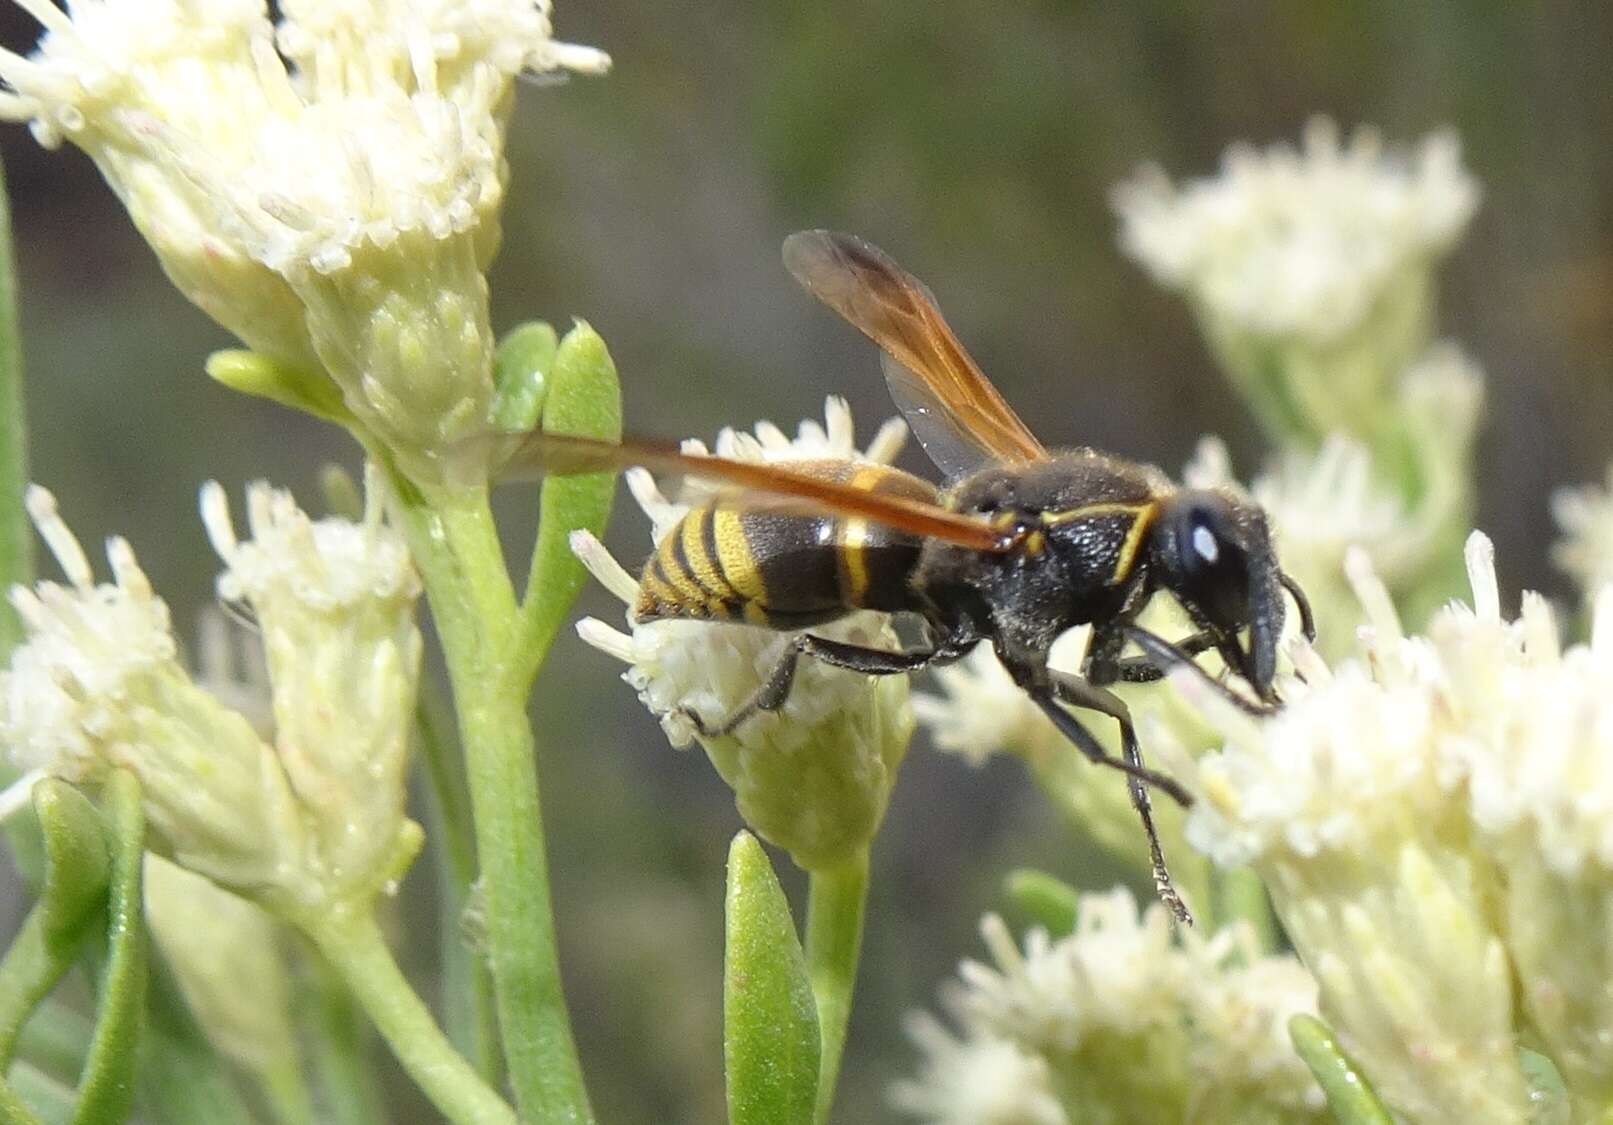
[[977, 143]]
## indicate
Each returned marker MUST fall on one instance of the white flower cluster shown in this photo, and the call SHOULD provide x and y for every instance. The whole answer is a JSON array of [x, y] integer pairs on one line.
[[1433, 820], [316, 812], [326, 187], [815, 776], [1121, 1020], [1300, 241]]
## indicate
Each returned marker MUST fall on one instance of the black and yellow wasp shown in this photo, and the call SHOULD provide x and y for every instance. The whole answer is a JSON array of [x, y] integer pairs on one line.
[[1022, 544]]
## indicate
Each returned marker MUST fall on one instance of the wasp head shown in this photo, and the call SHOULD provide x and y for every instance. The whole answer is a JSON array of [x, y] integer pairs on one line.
[[1213, 551]]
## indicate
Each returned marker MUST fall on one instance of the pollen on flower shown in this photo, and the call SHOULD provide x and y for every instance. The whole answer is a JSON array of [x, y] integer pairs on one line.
[[1299, 241]]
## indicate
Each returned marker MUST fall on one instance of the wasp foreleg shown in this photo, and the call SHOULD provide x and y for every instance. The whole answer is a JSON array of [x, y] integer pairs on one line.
[[1078, 693], [1167, 655], [1146, 669]]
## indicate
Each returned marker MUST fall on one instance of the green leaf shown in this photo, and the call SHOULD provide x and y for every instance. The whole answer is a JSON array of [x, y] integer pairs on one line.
[[584, 399], [770, 1018], [106, 1088], [76, 870], [521, 367], [1350, 1096], [1048, 902], [77, 864], [311, 392]]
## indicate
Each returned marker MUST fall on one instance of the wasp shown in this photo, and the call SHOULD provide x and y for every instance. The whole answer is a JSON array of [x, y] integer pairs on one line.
[[1019, 546]]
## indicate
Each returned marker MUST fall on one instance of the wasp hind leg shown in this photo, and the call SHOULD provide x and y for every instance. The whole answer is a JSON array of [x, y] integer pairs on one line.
[[1078, 693], [775, 690]]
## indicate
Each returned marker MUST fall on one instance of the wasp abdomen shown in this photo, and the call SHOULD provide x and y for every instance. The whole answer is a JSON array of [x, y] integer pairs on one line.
[[782, 570]]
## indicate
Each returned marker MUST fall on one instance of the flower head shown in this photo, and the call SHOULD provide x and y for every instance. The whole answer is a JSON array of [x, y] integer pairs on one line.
[[335, 602], [327, 188], [1300, 242], [1122, 1020], [1310, 270], [318, 813], [1434, 822], [813, 777], [97, 685]]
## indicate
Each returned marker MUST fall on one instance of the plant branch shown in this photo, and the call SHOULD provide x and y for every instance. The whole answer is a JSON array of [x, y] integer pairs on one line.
[[457, 548]]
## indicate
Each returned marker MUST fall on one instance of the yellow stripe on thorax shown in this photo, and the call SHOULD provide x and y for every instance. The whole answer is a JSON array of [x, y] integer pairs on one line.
[[1142, 517], [1133, 542]]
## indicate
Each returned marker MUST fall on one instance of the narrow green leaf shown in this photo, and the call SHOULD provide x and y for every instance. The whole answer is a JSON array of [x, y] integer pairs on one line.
[[1350, 1096], [77, 865], [106, 1088], [1047, 902], [75, 871], [16, 533], [770, 1019], [521, 367], [311, 392], [583, 398]]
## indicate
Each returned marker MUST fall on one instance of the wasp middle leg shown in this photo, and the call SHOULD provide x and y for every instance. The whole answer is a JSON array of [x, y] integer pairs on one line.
[[1079, 693], [775, 690]]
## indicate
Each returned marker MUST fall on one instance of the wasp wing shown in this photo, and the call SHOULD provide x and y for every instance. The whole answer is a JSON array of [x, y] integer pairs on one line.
[[751, 484], [957, 415]]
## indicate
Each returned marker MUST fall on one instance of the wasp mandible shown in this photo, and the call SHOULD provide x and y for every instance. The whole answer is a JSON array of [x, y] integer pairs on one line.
[[1021, 545]]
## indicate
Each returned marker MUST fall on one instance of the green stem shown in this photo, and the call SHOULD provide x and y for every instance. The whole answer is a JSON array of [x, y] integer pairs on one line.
[[16, 537], [457, 548], [467, 987], [353, 945], [342, 1049], [835, 902]]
